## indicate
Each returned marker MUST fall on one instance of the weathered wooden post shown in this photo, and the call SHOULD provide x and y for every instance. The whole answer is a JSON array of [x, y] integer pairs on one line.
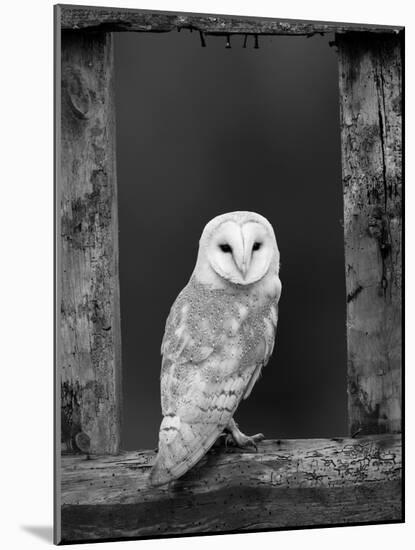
[[90, 305], [370, 77]]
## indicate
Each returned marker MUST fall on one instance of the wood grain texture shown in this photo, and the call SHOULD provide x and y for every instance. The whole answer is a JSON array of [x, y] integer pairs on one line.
[[90, 367], [116, 19], [370, 75], [285, 484]]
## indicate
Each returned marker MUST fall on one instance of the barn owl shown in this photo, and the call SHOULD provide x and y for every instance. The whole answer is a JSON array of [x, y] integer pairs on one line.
[[219, 334]]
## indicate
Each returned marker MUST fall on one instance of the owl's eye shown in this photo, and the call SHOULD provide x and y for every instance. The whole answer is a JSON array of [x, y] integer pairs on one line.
[[225, 248], [256, 246]]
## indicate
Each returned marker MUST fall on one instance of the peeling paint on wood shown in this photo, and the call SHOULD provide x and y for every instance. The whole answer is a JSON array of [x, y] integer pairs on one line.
[[285, 484], [90, 366], [370, 76], [117, 19]]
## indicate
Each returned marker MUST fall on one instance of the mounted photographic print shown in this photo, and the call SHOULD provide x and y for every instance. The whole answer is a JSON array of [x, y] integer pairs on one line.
[[228, 274]]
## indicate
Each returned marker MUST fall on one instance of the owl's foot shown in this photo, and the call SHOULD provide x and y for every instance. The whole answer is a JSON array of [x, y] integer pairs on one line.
[[240, 439]]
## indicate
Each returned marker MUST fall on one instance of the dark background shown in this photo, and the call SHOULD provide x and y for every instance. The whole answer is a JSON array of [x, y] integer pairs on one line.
[[203, 131]]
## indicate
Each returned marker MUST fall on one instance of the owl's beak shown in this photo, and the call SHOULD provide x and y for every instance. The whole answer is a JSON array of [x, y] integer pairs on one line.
[[242, 257], [244, 269], [243, 266]]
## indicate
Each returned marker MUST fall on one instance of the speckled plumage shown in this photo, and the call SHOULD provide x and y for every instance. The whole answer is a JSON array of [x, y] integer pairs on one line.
[[218, 336]]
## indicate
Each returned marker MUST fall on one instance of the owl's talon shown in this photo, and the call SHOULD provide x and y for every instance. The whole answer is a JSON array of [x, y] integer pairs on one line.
[[241, 440], [254, 439], [223, 440], [228, 441]]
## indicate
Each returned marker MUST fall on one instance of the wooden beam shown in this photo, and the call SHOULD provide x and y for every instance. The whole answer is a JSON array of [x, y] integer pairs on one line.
[[89, 366], [370, 75], [118, 19], [293, 483]]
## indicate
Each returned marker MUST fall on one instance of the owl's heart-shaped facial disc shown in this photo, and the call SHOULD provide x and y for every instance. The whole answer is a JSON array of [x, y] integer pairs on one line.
[[239, 247]]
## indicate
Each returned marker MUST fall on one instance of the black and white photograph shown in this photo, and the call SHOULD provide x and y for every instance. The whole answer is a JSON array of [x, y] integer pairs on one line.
[[228, 274]]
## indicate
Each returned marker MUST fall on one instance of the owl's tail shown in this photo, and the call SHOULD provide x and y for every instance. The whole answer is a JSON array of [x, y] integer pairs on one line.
[[180, 448], [159, 475]]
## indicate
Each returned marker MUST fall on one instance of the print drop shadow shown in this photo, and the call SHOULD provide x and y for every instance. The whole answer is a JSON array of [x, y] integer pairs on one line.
[[42, 532]]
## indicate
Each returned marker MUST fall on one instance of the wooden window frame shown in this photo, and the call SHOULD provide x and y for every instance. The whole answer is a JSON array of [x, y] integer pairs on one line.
[[101, 491]]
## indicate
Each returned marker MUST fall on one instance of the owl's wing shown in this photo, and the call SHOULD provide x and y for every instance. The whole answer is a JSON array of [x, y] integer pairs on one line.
[[200, 393], [263, 354]]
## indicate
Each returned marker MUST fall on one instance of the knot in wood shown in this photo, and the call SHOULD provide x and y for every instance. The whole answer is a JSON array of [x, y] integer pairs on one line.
[[78, 93]]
